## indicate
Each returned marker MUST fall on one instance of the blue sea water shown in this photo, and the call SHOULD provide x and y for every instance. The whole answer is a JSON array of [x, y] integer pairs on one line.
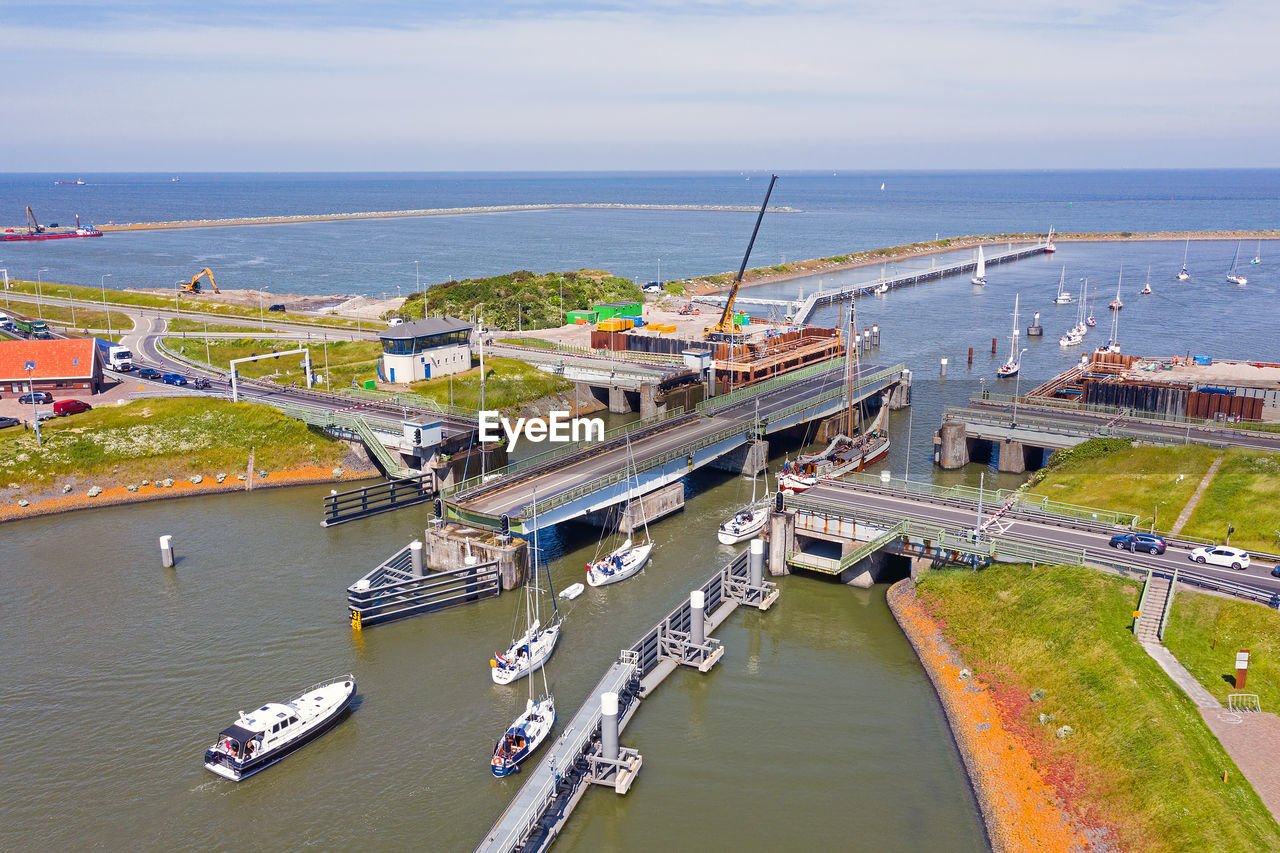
[[838, 213]]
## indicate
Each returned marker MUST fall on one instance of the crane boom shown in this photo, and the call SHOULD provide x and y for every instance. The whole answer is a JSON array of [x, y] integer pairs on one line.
[[726, 324], [33, 227]]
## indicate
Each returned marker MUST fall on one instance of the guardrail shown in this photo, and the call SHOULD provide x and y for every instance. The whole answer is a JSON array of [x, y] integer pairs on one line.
[[1054, 427], [712, 404], [1125, 412]]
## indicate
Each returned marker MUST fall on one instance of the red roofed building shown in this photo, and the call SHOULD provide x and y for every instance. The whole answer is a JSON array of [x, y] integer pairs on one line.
[[59, 365]]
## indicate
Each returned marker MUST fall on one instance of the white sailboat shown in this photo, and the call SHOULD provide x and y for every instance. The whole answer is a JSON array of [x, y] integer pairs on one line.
[[532, 727], [1116, 304], [1183, 275], [1089, 321], [1049, 248], [1146, 289], [980, 274], [530, 650], [1234, 277], [628, 558], [749, 520], [1064, 296], [1014, 363], [1257, 255]]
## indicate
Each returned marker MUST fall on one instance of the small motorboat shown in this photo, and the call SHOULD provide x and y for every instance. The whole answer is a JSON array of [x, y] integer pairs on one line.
[[620, 564], [524, 736], [261, 738], [744, 524], [572, 591]]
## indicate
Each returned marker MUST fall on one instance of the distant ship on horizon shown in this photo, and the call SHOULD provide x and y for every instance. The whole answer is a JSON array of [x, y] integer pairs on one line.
[[76, 183]]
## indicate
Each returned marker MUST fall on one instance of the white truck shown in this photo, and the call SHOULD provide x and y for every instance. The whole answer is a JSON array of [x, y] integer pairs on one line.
[[114, 356]]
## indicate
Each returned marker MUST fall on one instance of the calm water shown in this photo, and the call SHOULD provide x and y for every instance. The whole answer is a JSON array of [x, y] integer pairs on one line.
[[840, 213], [122, 672]]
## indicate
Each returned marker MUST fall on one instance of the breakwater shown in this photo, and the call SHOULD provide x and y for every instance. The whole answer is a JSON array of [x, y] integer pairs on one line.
[[437, 211]]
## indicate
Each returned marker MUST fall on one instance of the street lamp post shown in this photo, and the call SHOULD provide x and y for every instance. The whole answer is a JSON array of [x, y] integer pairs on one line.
[[39, 307], [6, 287], [262, 318], [103, 284], [417, 283], [31, 389], [208, 359], [73, 307]]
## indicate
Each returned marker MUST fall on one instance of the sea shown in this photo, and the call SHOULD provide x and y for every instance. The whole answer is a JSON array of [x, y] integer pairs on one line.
[[834, 213]]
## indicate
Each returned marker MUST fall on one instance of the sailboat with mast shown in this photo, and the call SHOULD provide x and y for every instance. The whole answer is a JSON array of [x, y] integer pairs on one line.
[[523, 737], [629, 557], [749, 520], [1257, 255], [1077, 332], [1064, 296], [1014, 363], [529, 650], [980, 273], [1049, 248], [1146, 289], [1089, 321], [1234, 277], [1116, 304], [1183, 275]]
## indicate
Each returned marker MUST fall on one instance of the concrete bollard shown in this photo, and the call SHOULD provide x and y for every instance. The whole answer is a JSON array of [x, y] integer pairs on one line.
[[166, 552], [875, 334], [944, 367], [609, 725], [697, 624], [415, 555], [757, 562]]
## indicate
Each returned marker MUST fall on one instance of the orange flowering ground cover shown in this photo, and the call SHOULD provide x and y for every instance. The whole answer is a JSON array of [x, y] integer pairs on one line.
[[1019, 801]]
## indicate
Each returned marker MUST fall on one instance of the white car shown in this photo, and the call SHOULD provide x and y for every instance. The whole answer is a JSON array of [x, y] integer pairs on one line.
[[1221, 555]]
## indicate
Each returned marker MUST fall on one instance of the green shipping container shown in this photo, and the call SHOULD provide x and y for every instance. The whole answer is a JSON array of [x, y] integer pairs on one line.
[[742, 319], [575, 316], [608, 310], [370, 385]]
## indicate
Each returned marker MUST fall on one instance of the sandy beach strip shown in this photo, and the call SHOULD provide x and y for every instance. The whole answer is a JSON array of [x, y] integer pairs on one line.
[[404, 214], [1021, 810]]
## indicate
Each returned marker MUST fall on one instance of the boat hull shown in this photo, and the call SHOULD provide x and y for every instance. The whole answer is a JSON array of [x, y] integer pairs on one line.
[[517, 667], [228, 768], [633, 560], [533, 726], [731, 533], [11, 238]]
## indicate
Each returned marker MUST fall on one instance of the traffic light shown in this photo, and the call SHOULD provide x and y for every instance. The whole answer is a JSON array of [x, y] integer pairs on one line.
[[690, 460], [506, 526], [779, 501], [417, 438], [439, 508]]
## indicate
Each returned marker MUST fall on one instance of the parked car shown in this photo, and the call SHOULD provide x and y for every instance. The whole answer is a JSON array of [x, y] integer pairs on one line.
[[8, 422], [279, 306], [148, 373], [173, 379], [62, 408], [36, 397], [1148, 542], [1221, 555]]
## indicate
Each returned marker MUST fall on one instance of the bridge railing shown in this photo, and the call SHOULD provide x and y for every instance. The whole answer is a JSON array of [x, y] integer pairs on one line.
[[714, 404]]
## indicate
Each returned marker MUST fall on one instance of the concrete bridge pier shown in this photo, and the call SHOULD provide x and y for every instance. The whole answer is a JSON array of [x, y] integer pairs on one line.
[[953, 446], [650, 405], [749, 459], [782, 538], [456, 546], [659, 503], [1013, 457], [900, 393], [830, 427], [879, 567], [618, 401]]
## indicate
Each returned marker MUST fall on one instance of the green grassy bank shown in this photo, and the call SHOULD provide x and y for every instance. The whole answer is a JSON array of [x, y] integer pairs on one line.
[[1205, 632], [160, 438], [1141, 759], [508, 385]]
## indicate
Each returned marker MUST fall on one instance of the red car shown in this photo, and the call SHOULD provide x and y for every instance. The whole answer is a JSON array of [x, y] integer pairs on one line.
[[62, 408]]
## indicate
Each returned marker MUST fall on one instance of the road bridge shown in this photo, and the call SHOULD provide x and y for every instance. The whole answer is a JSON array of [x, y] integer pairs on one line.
[[579, 480]]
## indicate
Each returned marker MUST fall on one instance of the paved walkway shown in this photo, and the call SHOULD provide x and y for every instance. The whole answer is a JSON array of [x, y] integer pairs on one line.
[[1194, 690], [1185, 515]]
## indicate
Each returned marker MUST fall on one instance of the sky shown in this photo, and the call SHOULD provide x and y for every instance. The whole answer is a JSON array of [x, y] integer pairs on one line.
[[227, 85]]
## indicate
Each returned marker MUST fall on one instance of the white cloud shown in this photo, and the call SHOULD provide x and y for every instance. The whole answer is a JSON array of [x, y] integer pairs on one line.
[[802, 85]]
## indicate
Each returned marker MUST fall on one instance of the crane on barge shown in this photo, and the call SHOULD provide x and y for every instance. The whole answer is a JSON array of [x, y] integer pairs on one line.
[[727, 329]]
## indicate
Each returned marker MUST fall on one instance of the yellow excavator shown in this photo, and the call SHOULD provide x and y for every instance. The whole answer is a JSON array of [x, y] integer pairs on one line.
[[193, 286], [727, 329]]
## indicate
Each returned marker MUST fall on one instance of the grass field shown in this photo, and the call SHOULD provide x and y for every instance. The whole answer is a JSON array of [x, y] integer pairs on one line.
[[347, 359], [1141, 759], [539, 343], [1205, 632], [1245, 493], [508, 385], [85, 318], [159, 438], [1131, 479], [182, 324]]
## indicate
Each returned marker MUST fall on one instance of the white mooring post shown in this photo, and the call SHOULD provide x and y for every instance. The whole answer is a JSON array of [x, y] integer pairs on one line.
[[609, 725], [166, 551], [757, 563], [415, 555], [697, 626]]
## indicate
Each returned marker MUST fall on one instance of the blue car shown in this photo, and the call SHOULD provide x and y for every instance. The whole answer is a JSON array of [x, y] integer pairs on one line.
[[173, 379], [1148, 542]]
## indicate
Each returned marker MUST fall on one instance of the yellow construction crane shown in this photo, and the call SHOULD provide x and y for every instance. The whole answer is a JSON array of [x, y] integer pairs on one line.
[[193, 286], [726, 329]]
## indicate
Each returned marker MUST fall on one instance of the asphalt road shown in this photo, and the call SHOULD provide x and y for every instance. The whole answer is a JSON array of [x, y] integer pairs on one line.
[[1093, 539]]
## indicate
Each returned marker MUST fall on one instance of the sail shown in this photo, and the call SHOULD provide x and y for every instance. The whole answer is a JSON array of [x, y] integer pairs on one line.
[[982, 264]]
